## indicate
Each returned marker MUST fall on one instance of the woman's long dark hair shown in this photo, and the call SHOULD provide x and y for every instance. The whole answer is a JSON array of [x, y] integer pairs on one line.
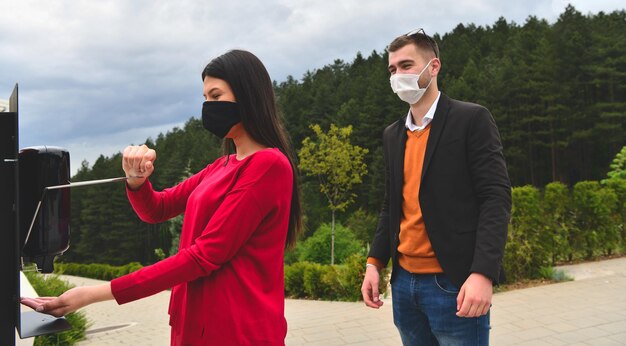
[[252, 86]]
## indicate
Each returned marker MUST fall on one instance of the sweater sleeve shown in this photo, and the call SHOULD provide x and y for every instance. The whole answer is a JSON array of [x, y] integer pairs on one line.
[[153, 206], [252, 198]]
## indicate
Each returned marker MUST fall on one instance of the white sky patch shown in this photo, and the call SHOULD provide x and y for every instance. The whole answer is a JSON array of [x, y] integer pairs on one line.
[[83, 148]]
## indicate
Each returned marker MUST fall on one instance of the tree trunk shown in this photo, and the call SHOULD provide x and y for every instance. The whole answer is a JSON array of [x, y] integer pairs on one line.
[[553, 153], [531, 161], [332, 240]]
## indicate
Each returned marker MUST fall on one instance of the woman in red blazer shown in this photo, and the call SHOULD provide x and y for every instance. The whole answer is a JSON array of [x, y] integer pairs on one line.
[[241, 212]]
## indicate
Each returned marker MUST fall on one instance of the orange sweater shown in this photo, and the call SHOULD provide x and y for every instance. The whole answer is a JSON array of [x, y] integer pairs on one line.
[[415, 253]]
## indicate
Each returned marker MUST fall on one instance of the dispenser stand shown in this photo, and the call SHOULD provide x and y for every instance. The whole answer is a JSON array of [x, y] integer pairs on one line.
[[30, 323]]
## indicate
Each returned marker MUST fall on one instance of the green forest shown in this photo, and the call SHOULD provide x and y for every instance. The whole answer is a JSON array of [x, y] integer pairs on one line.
[[556, 90]]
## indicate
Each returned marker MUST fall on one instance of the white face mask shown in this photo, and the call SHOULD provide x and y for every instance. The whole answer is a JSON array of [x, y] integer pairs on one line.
[[406, 85]]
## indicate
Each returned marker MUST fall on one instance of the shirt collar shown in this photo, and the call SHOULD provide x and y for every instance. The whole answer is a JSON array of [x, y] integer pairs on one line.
[[428, 117]]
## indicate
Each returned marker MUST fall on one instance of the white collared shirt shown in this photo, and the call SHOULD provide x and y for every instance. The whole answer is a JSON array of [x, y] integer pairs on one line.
[[428, 117]]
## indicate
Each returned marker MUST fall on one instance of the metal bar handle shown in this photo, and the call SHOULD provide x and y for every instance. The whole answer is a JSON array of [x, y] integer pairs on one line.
[[65, 186]]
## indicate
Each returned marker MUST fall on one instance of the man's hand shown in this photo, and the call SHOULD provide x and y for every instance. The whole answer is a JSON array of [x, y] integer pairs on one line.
[[369, 289], [69, 301], [474, 298]]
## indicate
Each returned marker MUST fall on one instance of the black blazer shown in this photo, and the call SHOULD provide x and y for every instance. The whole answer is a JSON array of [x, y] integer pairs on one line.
[[465, 192]]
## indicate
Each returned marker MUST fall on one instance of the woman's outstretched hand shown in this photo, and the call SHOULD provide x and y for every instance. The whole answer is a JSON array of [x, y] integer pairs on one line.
[[69, 301], [138, 164]]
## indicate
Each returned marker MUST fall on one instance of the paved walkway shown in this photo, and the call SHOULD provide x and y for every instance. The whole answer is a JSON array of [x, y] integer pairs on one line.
[[591, 310]]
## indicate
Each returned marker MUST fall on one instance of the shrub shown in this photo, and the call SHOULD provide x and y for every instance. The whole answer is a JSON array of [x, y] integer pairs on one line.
[[608, 227], [294, 279], [550, 273], [557, 220], [338, 282], [317, 247], [332, 281], [51, 285], [174, 226], [363, 225], [618, 166], [351, 276], [525, 252], [619, 217], [96, 270], [292, 255], [594, 228], [314, 286], [129, 268]]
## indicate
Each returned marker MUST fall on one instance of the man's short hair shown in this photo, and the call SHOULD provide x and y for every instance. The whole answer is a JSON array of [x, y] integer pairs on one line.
[[418, 38]]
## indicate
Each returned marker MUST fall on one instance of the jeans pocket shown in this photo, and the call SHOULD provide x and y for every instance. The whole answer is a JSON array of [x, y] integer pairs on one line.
[[444, 284]]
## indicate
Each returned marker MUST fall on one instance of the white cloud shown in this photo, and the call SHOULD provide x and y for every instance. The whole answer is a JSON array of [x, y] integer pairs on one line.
[[110, 144]]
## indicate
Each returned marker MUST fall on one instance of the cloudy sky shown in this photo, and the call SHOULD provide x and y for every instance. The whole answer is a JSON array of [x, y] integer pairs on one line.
[[95, 76]]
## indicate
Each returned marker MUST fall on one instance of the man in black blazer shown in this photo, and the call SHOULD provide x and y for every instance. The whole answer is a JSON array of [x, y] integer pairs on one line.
[[446, 207]]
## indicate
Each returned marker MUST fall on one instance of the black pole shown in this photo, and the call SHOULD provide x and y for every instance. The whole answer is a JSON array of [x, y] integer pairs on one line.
[[9, 243]]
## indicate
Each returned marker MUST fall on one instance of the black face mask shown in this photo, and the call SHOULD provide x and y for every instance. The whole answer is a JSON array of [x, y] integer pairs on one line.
[[220, 116]]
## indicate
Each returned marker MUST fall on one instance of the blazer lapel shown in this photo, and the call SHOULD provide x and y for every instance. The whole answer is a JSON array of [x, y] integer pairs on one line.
[[436, 127]]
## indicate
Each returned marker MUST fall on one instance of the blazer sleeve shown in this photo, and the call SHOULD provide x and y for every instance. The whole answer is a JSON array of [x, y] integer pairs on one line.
[[492, 189], [381, 247], [252, 198]]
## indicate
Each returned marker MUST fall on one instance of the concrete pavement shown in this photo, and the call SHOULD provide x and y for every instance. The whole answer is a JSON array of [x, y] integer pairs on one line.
[[591, 310]]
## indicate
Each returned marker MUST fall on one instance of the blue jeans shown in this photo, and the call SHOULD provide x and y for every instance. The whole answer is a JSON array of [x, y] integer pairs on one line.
[[424, 311]]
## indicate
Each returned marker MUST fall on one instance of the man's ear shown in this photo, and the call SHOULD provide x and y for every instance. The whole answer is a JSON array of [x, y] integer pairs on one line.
[[435, 67]]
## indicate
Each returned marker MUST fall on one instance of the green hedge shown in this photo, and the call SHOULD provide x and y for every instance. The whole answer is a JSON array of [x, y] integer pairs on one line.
[[562, 225], [51, 285], [549, 226], [96, 270], [525, 252], [302, 279], [321, 281]]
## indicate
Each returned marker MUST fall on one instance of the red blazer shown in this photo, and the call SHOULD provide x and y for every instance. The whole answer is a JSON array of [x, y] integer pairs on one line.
[[227, 277]]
